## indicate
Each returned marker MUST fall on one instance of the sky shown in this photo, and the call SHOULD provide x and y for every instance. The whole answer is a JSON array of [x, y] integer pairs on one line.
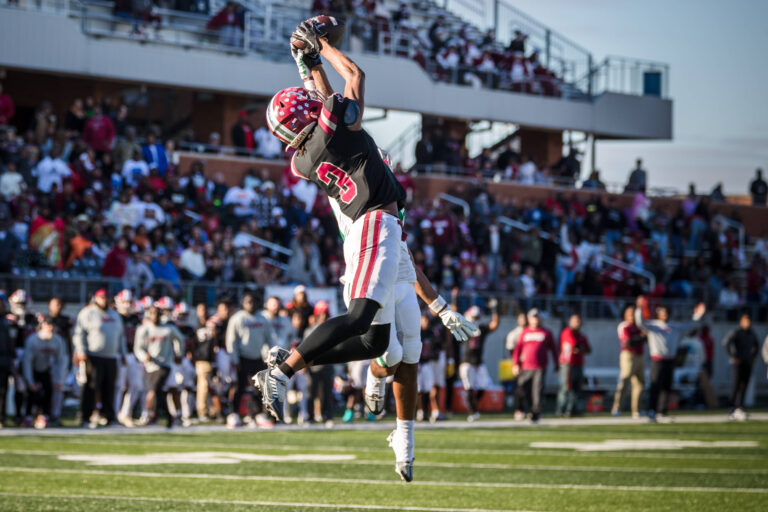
[[718, 56]]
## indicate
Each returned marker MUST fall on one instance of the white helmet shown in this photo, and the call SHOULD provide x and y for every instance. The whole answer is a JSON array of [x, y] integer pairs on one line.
[[137, 307], [18, 302], [123, 302], [180, 311], [125, 295], [165, 303], [18, 297]]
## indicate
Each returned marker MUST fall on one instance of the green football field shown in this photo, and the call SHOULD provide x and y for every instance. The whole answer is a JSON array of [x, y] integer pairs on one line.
[[556, 466]]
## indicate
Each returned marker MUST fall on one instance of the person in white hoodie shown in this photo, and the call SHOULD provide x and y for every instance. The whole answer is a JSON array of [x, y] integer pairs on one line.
[[157, 345], [249, 338], [663, 341], [44, 366], [99, 341]]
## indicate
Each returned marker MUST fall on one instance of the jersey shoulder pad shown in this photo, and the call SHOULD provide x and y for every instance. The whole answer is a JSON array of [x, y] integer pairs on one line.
[[335, 109]]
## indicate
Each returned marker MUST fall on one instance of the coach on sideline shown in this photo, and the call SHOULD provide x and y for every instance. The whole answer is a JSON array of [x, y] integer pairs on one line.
[[99, 340]]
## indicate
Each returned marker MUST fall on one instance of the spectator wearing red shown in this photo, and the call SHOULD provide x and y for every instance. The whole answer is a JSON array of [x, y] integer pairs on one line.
[[242, 134], [705, 375], [7, 108], [530, 362], [444, 229], [117, 259], [631, 363], [573, 347], [99, 132], [406, 181], [229, 22]]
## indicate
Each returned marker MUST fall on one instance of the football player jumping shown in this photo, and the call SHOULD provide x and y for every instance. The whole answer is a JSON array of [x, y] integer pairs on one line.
[[324, 145], [334, 152]]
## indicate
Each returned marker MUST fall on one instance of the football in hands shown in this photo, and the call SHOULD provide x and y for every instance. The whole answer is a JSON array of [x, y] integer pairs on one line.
[[329, 28]]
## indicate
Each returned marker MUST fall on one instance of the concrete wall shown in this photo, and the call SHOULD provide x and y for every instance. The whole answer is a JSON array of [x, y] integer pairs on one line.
[[392, 82], [605, 351]]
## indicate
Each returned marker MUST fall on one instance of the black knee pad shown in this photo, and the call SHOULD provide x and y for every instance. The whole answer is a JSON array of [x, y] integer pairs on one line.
[[377, 339]]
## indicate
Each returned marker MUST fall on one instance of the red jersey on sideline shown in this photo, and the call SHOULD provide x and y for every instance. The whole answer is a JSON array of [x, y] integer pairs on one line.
[[533, 347], [628, 331], [569, 340]]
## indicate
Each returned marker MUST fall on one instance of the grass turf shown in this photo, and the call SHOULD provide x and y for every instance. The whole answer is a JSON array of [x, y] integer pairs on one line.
[[467, 468]]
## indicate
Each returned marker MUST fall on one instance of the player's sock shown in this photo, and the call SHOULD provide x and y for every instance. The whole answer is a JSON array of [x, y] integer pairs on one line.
[[405, 429], [373, 384]]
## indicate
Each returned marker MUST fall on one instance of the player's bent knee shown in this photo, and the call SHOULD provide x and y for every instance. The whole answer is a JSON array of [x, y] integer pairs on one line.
[[393, 355], [376, 339], [360, 315], [411, 350]]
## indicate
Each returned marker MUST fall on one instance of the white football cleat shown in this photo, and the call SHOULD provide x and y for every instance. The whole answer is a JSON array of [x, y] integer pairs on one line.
[[273, 391], [403, 466]]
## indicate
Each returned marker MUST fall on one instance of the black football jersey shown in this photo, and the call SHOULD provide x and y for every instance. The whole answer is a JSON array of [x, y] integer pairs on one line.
[[346, 164]]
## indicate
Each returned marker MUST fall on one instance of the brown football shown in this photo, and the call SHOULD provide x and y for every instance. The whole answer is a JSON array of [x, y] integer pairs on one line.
[[329, 27]]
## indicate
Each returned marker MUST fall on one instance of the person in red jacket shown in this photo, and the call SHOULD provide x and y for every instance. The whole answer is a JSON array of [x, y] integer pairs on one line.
[[631, 363], [573, 347], [116, 260], [6, 108], [99, 132], [535, 342]]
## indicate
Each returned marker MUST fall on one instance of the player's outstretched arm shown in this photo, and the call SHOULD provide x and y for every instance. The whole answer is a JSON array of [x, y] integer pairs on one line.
[[321, 81], [461, 328], [354, 79]]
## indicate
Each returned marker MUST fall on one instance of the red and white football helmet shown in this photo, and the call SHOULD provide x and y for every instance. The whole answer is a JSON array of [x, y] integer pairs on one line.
[[138, 307], [124, 296], [293, 113], [165, 303], [180, 311], [146, 302]]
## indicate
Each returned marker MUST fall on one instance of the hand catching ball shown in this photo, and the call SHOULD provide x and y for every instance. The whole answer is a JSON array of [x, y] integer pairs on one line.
[[328, 28]]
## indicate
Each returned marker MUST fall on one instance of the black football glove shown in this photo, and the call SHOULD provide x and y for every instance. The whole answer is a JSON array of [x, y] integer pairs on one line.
[[307, 33]]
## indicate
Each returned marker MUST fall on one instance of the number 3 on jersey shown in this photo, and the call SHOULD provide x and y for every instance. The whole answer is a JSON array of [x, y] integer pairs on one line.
[[329, 173]]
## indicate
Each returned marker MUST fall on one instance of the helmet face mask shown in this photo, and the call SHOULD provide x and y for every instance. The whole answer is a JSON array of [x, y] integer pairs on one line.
[[292, 114]]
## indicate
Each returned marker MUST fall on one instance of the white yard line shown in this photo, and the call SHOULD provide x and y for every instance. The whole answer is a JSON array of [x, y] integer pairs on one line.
[[248, 503], [457, 465], [469, 451], [360, 481], [387, 425]]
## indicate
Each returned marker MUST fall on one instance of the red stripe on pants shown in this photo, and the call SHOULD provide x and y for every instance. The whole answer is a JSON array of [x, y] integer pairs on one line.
[[361, 257], [375, 251]]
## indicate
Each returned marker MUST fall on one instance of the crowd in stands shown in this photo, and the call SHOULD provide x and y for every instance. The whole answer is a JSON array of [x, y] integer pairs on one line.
[[83, 196], [449, 51]]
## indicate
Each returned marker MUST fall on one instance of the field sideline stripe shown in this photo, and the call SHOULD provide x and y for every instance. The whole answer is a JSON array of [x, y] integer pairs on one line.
[[249, 503], [315, 448], [359, 481], [470, 465]]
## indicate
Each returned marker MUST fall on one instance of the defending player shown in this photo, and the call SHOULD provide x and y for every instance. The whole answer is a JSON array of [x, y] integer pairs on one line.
[[402, 356], [334, 152]]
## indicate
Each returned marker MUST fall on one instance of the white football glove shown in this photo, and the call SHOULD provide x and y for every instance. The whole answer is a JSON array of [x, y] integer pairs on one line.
[[304, 70], [461, 328]]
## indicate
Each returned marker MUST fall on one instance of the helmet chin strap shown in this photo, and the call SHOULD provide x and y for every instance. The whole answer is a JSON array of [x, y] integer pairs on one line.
[[296, 142]]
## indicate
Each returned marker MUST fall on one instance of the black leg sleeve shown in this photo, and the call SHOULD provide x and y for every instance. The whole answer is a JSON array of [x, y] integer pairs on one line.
[[370, 345], [355, 323]]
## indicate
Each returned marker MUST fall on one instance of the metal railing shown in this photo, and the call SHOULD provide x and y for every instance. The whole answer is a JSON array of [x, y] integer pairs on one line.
[[269, 23], [78, 291], [455, 200], [629, 75], [604, 260]]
